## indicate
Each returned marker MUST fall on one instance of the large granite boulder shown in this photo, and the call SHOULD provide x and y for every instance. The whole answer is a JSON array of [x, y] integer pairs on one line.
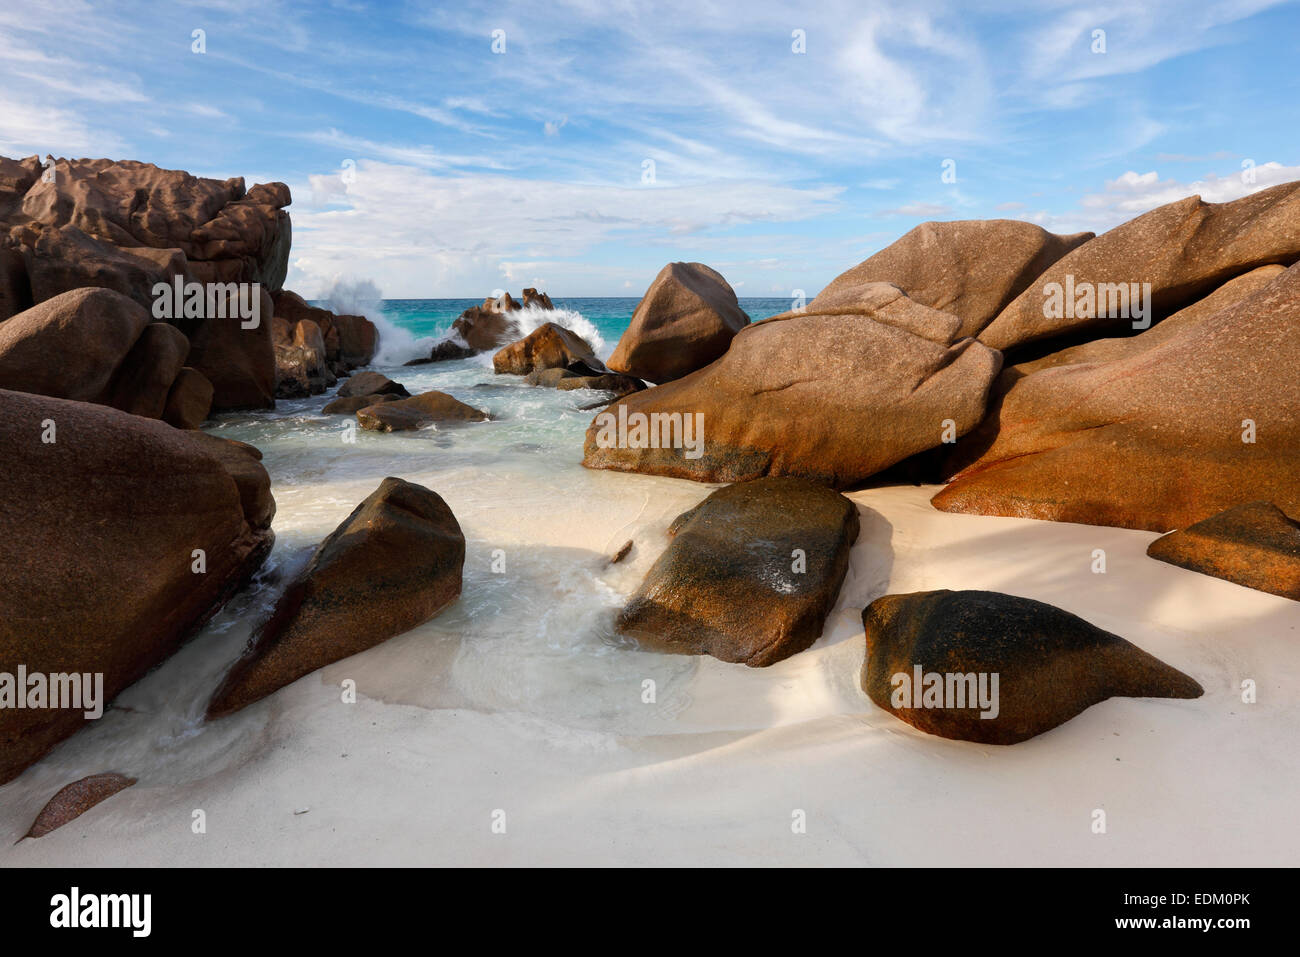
[[119, 537], [189, 401], [750, 575], [1183, 250], [998, 669], [393, 564], [1255, 545], [1158, 439], [70, 347], [835, 397], [236, 355], [970, 268], [686, 319]]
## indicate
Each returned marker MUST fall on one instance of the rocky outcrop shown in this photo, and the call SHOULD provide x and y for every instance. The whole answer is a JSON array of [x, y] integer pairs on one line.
[[302, 367], [750, 576], [125, 225], [349, 341], [236, 355], [76, 799], [416, 412], [686, 319], [835, 397], [1183, 250], [970, 268], [1255, 545], [998, 669], [490, 325], [119, 537], [1159, 439], [393, 564], [549, 346]]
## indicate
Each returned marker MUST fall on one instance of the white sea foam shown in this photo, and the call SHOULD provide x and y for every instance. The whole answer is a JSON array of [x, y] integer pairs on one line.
[[361, 297]]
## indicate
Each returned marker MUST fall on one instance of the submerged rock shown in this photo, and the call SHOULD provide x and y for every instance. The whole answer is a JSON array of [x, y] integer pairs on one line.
[[750, 576], [392, 564], [119, 537], [620, 385], [686, 319], [355, 403], [417, 412], [76, 799], [371, 383], [1027, 665], [835, 398], [1255, 545]]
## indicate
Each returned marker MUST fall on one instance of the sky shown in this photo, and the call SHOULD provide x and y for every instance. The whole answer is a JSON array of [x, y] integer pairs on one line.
[[454, 149]]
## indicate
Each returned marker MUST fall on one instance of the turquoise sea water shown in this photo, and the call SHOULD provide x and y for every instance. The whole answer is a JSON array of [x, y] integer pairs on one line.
[[431, 319]]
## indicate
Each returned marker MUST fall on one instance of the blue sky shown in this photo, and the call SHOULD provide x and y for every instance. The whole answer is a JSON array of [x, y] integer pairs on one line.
[[425, 162]]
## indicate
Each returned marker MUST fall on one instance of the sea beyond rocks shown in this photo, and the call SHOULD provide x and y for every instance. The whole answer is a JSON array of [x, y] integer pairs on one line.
[[1164, 399]]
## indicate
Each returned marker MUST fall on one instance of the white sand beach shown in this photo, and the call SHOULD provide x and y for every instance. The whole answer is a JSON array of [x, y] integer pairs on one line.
[[516, 699]]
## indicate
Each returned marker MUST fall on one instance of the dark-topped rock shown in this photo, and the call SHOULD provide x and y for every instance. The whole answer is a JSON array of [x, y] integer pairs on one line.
[[393, 564], [444, 351], [119, 537], [1183, 249], [1255, 545], [1049, 665], [620, 385], [355, 403], [75, 799], [189, 401], [549, 346], [834, 398], [1159, 439], [371, 383], [416, 412], [686, 319], [750, 576], [970, 268]]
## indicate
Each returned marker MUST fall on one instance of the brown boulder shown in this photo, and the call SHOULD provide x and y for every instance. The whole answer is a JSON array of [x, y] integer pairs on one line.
[[534, 298], [1048, 665], [1183, 250], [189, 401], [119, 537], [238, 361], [1159, 439], [393, 564], [416, 412], [750, 576], [354, 403], [70, 346], [620, 385], [686, 319], [970, 268], [1255, 545], [144, 379], [549, 346], [834, 398]]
